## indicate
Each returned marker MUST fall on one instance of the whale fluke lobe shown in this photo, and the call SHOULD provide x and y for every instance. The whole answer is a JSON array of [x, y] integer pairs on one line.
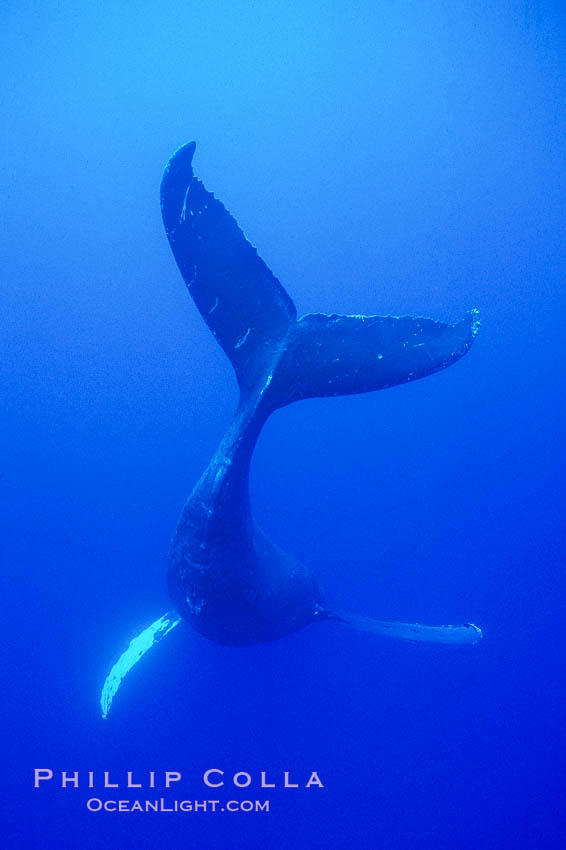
[[238, 296], [465, 634], [341, 355]]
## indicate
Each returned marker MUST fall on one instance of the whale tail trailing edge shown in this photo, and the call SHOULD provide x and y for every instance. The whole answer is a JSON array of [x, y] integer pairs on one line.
[[255, 321]]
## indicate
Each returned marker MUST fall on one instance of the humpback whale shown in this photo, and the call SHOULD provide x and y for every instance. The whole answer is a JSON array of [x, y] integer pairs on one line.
[[226, 578]]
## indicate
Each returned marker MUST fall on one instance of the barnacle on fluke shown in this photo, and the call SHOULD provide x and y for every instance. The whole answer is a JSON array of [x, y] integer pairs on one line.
[[226, 578]]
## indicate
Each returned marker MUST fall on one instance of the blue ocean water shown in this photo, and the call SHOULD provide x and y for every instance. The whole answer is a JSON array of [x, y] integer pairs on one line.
[[390, 158]]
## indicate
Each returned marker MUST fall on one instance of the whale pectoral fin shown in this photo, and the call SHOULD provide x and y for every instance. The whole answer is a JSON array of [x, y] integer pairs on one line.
[[136, 650], [466, 633], [242, 302], [339, 355]]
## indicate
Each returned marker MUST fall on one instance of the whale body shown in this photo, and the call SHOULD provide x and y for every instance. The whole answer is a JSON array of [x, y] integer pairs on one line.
[[225, 577]]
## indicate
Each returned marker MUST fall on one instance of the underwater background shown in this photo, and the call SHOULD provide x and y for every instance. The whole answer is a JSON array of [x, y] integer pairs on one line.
[[384, 157]]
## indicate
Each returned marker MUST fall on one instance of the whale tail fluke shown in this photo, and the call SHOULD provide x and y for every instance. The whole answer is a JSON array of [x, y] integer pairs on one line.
[[255, 320], [465, 634]]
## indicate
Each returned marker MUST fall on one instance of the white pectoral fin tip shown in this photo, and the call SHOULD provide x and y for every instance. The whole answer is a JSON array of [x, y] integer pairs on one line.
[[136, 650], [463, 634]]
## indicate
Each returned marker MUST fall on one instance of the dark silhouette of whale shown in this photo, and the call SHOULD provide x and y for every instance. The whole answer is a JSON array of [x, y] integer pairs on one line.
[[225, 577]]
